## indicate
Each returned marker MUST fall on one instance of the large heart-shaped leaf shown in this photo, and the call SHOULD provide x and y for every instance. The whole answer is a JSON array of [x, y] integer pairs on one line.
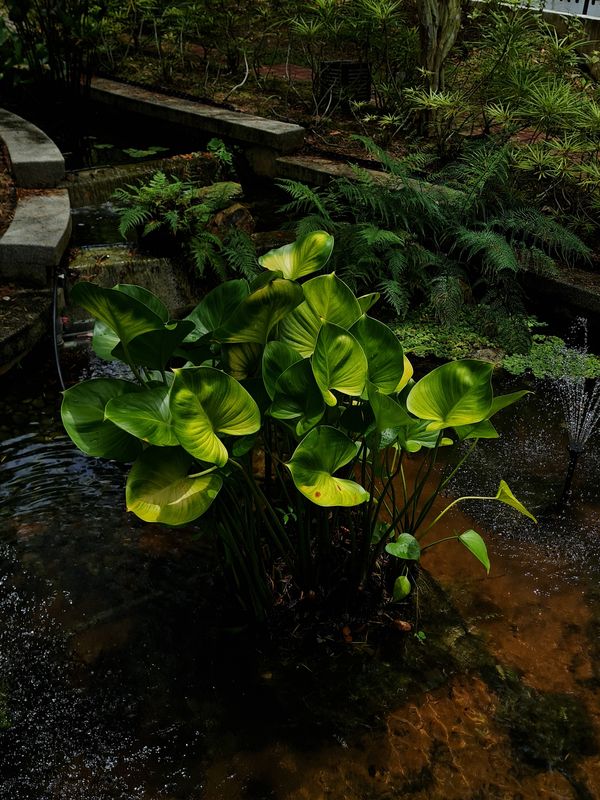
[[458, 393], [83, 415], [339, 363], [385, 357], [319, 455], [260, 311], [406, 375], [367, 301], [145, 415], [297, 397], [127, 316], [326, 299], [206, 402], [154, 349], [159, 488], [277, 357], [478, 430], [475, 545], [505, 495], [307, 254], [216, 308]]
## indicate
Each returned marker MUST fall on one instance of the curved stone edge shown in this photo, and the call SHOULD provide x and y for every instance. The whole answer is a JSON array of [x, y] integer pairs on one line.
[[36, 239], [36, 161]]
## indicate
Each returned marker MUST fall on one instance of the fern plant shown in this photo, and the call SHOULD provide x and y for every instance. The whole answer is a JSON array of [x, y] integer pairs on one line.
[[466, 237], [182, 211]]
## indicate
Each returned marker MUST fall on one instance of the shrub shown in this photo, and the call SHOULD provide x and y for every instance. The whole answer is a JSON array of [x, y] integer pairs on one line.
[[291, 425]]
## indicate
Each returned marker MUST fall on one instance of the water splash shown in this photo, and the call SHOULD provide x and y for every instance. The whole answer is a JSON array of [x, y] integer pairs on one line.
[[580, 402]]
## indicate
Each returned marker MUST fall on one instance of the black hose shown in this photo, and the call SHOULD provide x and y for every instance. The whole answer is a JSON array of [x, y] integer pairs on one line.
[[58, 277]]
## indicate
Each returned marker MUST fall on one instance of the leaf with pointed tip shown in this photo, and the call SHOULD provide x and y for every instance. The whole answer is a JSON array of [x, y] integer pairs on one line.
[[367, 301], [154, 349], [216, 308], [146, 297], [401, 588], [339, 363], [406, 375], [298, 398], [159, 488], [124, 314], [205, 402], [277, 357], [319, 455], [307, 254], [405, 546], [385, 357], [260, 311], [475, 545], [478, 430], [83, 415], [498, 403], [145, 415], [326, 299], [505, 495], [457, 393]]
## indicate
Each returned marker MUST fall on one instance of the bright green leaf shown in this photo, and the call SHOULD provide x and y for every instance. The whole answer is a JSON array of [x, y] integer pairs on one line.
[[475, 544], [298, 398], [457, 393], [505, 495], [339, 363], [277, 357], [206, 402], [319, 455], [145, 415], [307, 254], [402, 588], [385, 357], [259, 312], [159, 488], [83, 415], [405, 546], [216, 308]]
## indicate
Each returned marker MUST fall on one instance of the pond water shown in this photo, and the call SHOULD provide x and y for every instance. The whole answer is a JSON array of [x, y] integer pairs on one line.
[[120, 681]]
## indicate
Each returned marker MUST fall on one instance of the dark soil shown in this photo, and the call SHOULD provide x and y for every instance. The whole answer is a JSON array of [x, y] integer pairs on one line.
[[7, 192]]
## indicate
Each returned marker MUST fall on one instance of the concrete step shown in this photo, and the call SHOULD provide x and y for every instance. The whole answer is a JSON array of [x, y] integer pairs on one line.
[[36, 238], [36, 161]]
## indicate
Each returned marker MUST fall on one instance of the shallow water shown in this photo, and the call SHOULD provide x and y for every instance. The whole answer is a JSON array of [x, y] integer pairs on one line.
[[117, 681]]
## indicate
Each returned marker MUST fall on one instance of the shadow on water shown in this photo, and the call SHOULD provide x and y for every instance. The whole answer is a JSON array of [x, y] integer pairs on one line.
[[119, 681]]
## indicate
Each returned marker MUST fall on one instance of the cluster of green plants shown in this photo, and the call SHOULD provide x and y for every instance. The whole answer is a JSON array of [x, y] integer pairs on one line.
[[551, 357], [461, 237], [180, 211], [293, 424]]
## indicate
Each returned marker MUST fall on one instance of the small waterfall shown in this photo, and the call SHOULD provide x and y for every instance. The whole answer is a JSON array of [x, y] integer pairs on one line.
[[90, 187]]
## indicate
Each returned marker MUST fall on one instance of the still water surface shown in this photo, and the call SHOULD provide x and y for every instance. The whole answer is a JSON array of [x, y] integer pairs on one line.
[[117, 682]]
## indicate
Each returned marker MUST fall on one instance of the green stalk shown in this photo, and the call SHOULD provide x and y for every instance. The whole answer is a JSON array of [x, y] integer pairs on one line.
[[453, 503]]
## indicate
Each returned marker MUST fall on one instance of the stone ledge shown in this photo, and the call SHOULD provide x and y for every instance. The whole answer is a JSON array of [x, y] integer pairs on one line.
[[36, 161], [23, 322], [284, 137], [36, 238]]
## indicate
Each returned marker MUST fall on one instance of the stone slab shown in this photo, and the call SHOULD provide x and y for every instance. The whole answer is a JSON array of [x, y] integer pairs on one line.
[[37, 237], [25, 317], [284, 137], [36, 161]]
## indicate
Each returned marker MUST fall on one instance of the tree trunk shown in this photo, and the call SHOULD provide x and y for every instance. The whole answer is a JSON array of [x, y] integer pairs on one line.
[[440, 24]]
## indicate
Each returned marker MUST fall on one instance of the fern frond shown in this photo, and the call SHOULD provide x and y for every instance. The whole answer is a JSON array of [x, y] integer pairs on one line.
[[396, 294], [446, 297], [495, 253], [540, 230], [239, 252], [132, 218], [304, 199]]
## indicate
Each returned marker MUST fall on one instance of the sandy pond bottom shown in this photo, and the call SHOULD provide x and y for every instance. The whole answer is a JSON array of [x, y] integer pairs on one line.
[[117, 683]]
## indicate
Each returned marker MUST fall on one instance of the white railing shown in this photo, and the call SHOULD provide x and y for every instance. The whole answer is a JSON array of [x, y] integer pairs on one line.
[[580, 8]]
